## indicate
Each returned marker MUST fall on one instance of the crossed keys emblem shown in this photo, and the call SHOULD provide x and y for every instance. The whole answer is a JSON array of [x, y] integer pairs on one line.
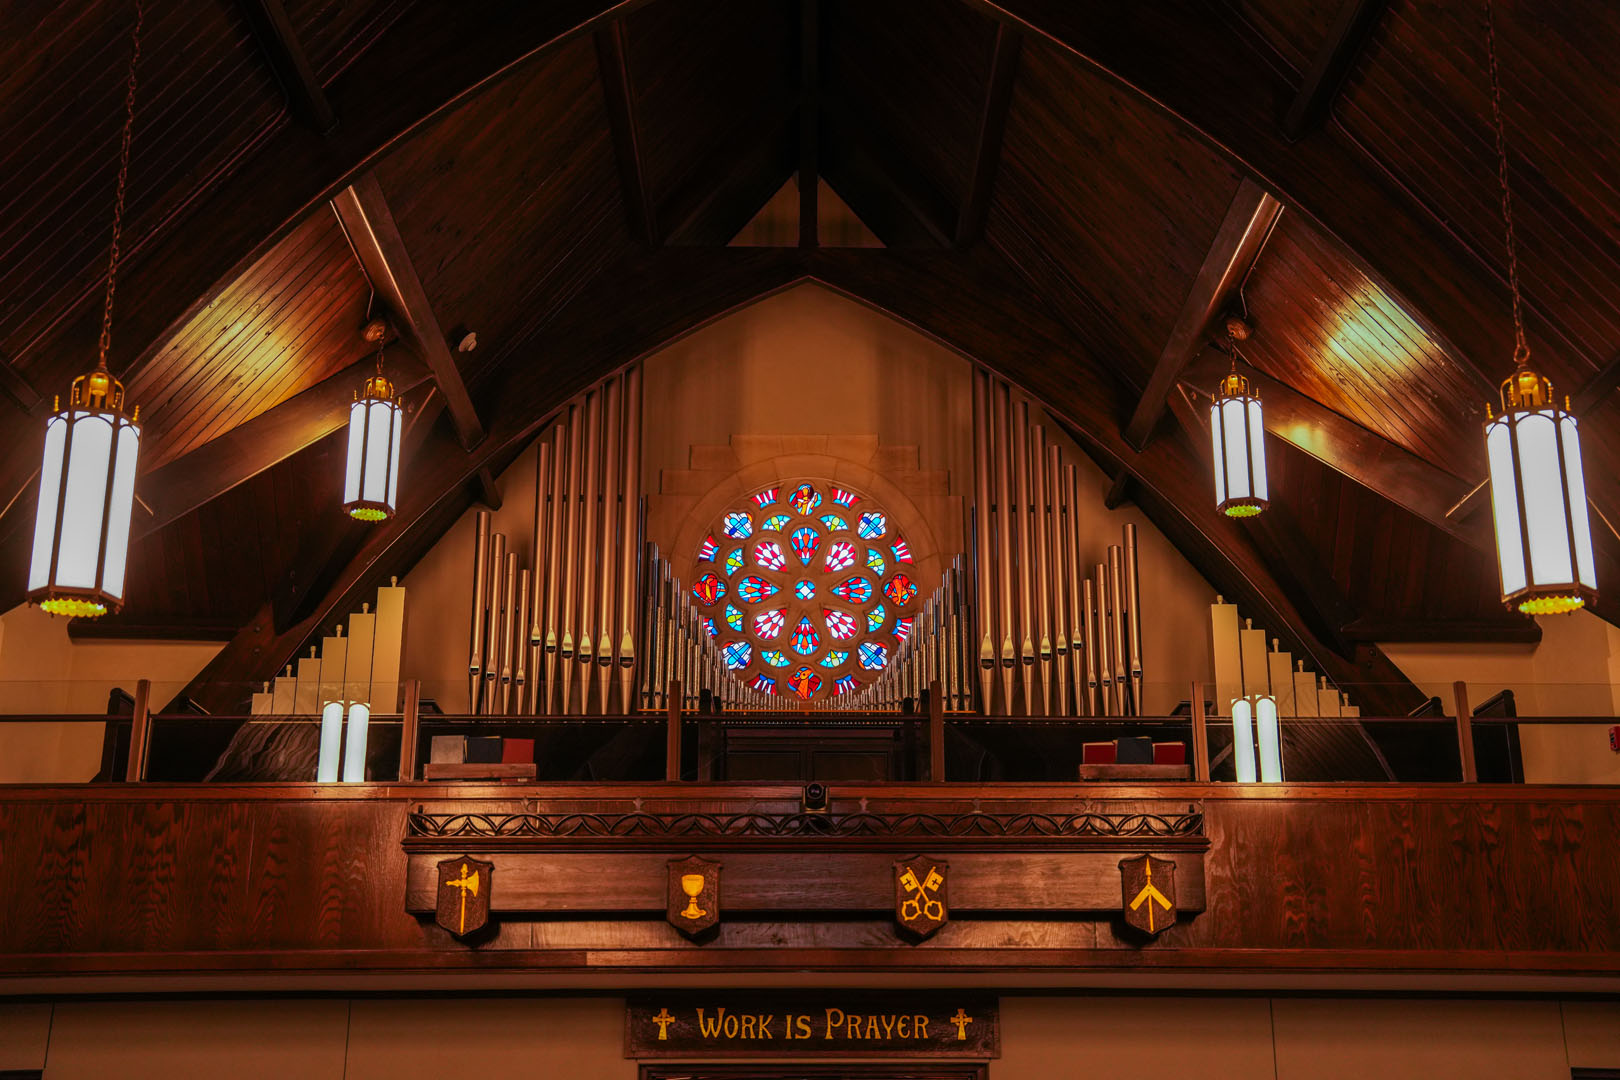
[[920, 901]]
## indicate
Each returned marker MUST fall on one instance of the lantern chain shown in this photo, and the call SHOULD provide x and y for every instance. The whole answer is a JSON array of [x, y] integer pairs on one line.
[[123, 182], [1521, 350]]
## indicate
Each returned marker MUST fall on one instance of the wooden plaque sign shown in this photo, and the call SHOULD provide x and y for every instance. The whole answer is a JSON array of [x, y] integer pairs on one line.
[[694, 895], [826, 1023], [464, 884], [920, 902], [1149, 893]]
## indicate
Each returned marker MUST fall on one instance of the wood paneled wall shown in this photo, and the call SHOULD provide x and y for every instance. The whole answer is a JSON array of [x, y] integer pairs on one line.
[[1491, 881]]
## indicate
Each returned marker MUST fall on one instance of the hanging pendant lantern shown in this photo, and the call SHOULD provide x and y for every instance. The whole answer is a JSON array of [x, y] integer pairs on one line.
[[1237, 431], [376, 423], [87, 474], [86, 494], [1538, 488], [1538, 500]]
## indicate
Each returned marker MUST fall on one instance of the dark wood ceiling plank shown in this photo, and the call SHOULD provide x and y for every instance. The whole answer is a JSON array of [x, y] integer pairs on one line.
[[1352, 26], [758, 157], [992, 127], [363, 210], [290, 63], [18, 390], [1237, 244], [894, 198], [809, 122], [612, 52], [1348, 448]]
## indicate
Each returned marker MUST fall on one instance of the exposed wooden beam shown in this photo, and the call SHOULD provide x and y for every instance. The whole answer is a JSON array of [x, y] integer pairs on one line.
[[19, 390], [1598, 387], [809, 122], [755, 158], [1507, 630], [363, 209], [1237, 244], [612, 52], [1337, 55], [485, 490], [901, 206], [992, 127], [241, 453], [1119, 491], [290, 63], [1363, 455]]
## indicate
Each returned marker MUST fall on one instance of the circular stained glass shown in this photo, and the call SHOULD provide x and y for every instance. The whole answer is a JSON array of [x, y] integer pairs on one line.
[[818, 598]]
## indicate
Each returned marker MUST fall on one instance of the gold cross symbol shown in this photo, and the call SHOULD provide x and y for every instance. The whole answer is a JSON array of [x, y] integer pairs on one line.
[[1150, 892], [663, 1020], [961, 1020]]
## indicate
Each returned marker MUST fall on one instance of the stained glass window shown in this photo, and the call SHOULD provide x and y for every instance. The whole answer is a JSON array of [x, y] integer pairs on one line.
[[751, 590], [804, 543], [768, 554], [805, 638], [804, 682], [840, 556], [795, 549], [900, 590], [857, 590], [708, 589], [804, 499], [767, 624], [840, 624]]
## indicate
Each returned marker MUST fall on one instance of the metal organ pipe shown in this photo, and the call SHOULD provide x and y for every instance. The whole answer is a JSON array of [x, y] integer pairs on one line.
[[629, 544], [1026, 612], [1133, 618], [520, 648], [570, 559], [492, 621], [584, 646], [475, 662], [1003, 544], [1116, 629], [557, 510], [534, 596], [508, 632], [983, 550], [1079, 599], [1059, 576], [1042, 569], [606, 571]]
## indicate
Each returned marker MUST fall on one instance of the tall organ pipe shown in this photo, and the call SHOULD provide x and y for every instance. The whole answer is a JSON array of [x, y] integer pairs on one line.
[[1003, 543], [1059, 575], [629, 545], [534, 595], [1026, 555], [492, 611], [1079, 639], [508, 632], [1116, 627], [570, 560], [606, 570], [520, 649], [475, 661], [1133, 617], [1105, 643], [1088, 593], [559, 464], [983, 551], [1043, 568], [584, 646]]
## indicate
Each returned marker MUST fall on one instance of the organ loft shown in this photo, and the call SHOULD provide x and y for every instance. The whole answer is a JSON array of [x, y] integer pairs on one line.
[[809, 540]]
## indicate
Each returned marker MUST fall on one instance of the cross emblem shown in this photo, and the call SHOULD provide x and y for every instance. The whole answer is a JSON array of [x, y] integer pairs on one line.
[[961, 1020], [1148, 894], [663, 1020]]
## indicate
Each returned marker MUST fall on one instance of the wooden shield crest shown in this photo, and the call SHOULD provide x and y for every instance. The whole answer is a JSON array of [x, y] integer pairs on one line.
[[694, 895], [920, 902], [464, 884], [1149, 888]]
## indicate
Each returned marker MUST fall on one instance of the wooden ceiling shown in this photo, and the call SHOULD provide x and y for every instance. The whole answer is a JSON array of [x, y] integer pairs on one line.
[[1069, 194]]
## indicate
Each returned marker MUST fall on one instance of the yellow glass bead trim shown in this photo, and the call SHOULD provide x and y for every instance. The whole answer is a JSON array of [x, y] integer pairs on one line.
[[1551, 605], [73, 607], [368, 513], [1242, 511]]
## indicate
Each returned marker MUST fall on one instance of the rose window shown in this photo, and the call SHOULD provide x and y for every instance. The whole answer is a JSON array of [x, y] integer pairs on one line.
[[808, 587]]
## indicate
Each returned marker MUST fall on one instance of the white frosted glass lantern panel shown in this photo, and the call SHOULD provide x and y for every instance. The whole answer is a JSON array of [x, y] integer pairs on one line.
[[1505, 505], [354, 749], [1542, 494], [326, 764], [1217, 453], [1243, 740], [1270, 740], [79, 546], [394, 439], [1257, 448], [378, 452], [1575, 478], [119, 507], [357, 442], [50, 489], [1237, 458]]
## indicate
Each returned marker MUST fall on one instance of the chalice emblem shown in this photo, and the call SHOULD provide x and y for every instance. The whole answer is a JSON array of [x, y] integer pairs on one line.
[[692, 886]]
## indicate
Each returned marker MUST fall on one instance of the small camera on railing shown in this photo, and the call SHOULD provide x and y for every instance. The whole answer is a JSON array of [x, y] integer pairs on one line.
[[815, 799]]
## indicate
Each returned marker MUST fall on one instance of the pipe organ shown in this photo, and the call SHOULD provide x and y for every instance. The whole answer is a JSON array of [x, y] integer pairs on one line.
[[1056, 633]]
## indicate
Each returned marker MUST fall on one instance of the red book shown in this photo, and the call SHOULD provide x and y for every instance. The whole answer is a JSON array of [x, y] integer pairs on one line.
[[517, 751], [1169, 753], [1097, 753]]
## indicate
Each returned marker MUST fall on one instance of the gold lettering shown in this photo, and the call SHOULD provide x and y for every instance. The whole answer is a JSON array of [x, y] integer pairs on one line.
[[872, 1026], [730, 1025], [765, 1026], [748, 1026], [710, 1029], [922, 1025], [888, 1027], [803, 1025], [904, 1026], [831, 1023]]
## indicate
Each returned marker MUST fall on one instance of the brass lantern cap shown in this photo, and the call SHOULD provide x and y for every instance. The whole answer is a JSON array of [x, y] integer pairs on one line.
[[97, 390], [1525, 389], [377, 388], [1233, 386]]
